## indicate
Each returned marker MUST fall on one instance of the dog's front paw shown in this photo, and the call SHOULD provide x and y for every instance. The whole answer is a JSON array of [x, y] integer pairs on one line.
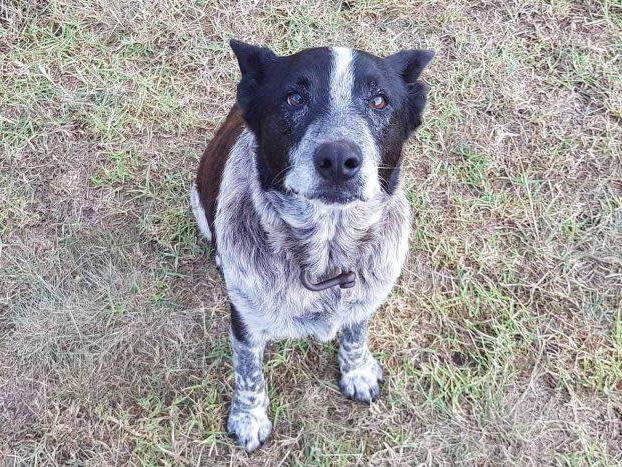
[[362, 383], [250, 429]]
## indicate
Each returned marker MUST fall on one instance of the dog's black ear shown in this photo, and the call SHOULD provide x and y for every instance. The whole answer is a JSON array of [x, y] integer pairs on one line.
[[252, 61], [410, 63]]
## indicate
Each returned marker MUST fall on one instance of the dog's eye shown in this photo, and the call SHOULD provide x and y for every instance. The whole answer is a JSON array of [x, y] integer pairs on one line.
[[294, 99], [377, 102]]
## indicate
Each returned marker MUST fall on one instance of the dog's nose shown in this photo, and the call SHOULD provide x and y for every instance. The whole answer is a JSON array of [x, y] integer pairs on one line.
[[337, 161]]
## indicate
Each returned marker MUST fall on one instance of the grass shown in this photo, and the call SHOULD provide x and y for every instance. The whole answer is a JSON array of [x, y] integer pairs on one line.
[[502, 342]]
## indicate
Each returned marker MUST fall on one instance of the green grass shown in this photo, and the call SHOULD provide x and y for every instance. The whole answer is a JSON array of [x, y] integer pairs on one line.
[[502, 342]]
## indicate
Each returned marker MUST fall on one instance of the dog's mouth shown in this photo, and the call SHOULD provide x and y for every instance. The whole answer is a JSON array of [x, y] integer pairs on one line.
[[332, 196], [335, 196]]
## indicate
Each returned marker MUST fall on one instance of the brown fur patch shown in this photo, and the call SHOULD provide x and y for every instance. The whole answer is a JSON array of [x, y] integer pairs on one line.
[[213, 163]]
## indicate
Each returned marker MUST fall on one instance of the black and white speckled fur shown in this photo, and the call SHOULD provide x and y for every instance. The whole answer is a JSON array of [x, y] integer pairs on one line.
[[263, 240], [266, 236]]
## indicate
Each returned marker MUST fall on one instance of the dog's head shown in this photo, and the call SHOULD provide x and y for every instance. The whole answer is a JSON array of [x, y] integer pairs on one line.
[[330, 122]]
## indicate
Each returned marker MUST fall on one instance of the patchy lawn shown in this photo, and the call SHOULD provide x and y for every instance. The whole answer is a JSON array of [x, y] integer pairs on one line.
[[503, 341]]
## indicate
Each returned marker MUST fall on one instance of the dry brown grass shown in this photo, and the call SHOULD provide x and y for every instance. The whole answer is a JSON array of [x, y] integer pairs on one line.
[[503, 342]]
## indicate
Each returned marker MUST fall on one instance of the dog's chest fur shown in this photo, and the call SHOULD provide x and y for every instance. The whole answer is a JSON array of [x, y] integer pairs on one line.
[[265, 238]]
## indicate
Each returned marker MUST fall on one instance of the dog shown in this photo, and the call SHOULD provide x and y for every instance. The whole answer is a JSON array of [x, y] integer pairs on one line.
[[299, 192]]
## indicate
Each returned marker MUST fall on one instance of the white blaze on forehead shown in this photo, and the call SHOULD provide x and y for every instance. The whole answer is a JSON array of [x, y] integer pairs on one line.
[[342, 77]]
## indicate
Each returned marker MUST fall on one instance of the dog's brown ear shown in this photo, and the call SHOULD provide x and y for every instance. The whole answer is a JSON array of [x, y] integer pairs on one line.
[[410, 63], [251, 59]]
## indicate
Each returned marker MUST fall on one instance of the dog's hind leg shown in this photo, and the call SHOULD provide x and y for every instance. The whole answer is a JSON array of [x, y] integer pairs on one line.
[[248, 420], [199, 213], [360, 372]]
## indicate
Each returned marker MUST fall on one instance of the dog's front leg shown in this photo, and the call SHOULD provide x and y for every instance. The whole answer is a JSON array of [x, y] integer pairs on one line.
[[248, 420], [360, 372]]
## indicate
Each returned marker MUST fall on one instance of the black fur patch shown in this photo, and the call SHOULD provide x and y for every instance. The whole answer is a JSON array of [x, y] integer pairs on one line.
[[262, 94], [237, 325], [393, 77]]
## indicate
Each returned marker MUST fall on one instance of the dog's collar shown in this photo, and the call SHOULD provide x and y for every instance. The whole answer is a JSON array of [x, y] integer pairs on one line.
[[345, 280]]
